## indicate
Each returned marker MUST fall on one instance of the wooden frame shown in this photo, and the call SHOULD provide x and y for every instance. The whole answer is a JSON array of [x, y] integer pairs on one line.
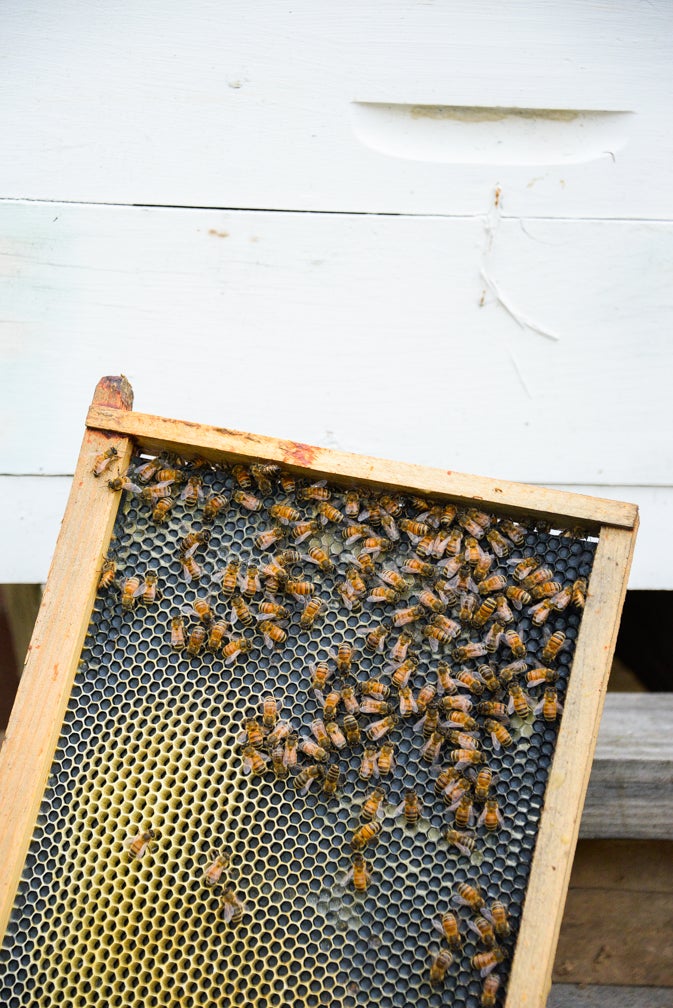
[[57, 641]]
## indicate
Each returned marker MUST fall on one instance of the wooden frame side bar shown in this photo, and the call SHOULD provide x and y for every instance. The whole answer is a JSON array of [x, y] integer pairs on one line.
[[54, 652], [156, 434], [530, 978]]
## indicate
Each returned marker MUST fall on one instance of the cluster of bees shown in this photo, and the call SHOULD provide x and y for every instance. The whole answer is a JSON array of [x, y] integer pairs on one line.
[[451, 654]]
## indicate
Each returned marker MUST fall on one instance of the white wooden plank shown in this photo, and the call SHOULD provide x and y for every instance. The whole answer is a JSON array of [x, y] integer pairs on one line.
[[392, 106], [363, 332], [31, 509]]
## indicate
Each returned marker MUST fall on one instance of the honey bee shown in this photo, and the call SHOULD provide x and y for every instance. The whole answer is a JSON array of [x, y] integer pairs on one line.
[[389, 526], [407, 704], [487, 961], [146, 471], [414, 565], [465, 757], [549, 705], [440, 630], [161, 510], [330, 704], [287, 482], [431, 601], [489, 990], [518, 701], [177, 633], [372, 806], [517, 596], [370, 705], [380, 595], [261, 474], [253, 733], [147, 591], [499, 544], [319, 557], [410, 808], [240, 612], [129, 592], [368, 764], [375, 545], [489, 677], [425, 697], [541, 612], [215, 869], [299, 590], [308, 776], [352, 503], [537, 578], [107, 575], [440, 966], [493, 637], [214, 504], [483, 929], [537, 676], [503, 612], [414, 529], [402, 674], [562, 599], [493, 709], [349, 700], [302, 530], [216, 634], [359, 874], [191, 569], [524, 568], [365, 834], [195, 641], [463, 842], [431, 749], [472, 681], [290, 750], [278, 734], [348, 596], [271, 610], [547, 590], [312, 609], [445, 681], [579, 593], [312, 749], [234, 648], [385, 760], [374, 688], [247, 500], [315, 492], [254, 762], [379, 729], [230, 577], [192, 493], [508, 672], [242, 475], [447, 926], [320, 734], [329, 514], [233, 908], [104, 461], [139, 845], [269, 537], [351, 533], [451, 704], [469, 896], [484, 612], [351, 730], [515, 533], [460, 739], [273, 635], [429, 723], [249, 582], [331, 778], [191, 542], [355, 582], [515, 643], [320, 676], [463, 812], [499, 917], [494, 583], [555, 643], [124, 483], [445, 778], [376, 638], [470, 651], [270, 707], [336, 736], [491, 817], [409, 615]]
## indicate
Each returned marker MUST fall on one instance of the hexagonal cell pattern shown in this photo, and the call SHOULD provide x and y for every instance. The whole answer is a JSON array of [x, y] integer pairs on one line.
[[154, 741]]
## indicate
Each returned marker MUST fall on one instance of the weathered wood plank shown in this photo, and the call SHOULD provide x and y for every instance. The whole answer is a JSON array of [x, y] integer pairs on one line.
[[37, 716], [588, 996], [530, 978], [618, 915], [154, 433], [21, 602], [395, 107], [630, 791]]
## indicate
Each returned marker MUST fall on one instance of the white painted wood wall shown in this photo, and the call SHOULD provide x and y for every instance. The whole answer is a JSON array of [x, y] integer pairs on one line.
[[283, 218]]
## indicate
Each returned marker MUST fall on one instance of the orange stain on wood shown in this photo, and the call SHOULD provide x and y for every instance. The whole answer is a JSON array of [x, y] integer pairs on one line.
[[301, 454]]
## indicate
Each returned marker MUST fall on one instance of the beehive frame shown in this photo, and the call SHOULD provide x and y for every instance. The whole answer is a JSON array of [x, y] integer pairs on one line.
[[62, 623]]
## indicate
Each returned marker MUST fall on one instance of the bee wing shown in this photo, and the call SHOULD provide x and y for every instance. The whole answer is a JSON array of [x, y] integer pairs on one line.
[[398, 810], [487, 969], [140, 589]]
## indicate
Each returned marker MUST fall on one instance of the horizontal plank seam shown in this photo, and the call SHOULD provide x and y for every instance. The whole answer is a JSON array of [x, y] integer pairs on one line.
[[329, 213]]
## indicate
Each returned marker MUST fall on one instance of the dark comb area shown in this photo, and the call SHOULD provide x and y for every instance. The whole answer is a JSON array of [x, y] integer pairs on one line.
[[202, 842]]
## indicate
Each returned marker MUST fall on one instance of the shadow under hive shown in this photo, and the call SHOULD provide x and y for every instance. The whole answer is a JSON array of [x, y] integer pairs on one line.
[[151, 739]]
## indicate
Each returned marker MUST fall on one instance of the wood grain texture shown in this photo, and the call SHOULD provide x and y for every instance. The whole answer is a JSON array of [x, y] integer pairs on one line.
[[362, 333], [44, 690], [606, 996], [157, 433], [631, 786], [618, 915], [530, 977], [261, 105]]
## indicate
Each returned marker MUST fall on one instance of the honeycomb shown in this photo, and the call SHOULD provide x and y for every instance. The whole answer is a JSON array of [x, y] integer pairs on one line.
[[152, 741]]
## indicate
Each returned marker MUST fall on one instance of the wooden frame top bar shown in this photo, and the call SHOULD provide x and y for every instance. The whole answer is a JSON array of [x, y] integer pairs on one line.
[[156, 434]]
